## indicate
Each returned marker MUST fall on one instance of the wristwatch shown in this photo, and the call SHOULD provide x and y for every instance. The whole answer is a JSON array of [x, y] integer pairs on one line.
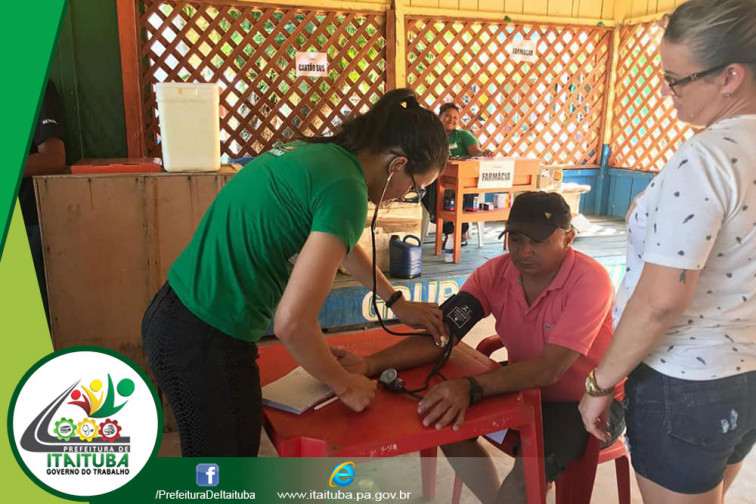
[[476, 391], [592, 388]]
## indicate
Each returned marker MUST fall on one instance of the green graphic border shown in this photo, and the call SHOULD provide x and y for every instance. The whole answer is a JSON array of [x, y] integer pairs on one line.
[[44, 360], [12, 201]]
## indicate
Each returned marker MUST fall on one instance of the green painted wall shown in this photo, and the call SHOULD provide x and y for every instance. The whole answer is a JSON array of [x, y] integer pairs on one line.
[[87, 72]]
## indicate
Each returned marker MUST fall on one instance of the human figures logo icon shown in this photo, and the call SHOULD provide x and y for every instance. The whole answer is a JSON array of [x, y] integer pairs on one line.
[[208, 475]]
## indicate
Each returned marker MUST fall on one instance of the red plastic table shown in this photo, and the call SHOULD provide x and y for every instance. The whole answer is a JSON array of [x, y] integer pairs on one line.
[[392, 426]]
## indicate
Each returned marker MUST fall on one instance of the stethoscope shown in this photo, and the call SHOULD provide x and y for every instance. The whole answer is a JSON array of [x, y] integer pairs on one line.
[[389, 377]]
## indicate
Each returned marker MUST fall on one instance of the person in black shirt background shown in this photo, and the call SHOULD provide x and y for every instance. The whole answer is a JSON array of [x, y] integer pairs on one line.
[[47, 156]]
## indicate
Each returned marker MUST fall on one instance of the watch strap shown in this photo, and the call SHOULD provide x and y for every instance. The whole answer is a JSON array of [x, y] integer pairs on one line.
[[476, 391], [594, 389], [394, 298]]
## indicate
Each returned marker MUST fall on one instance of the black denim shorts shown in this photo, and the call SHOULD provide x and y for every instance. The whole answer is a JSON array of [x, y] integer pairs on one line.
[[683, 433]]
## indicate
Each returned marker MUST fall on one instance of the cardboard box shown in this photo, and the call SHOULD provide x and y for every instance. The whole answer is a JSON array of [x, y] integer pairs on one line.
[[550, 177]]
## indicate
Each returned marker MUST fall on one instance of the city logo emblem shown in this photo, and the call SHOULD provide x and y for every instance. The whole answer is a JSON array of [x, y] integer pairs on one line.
[[84, 421], [342, 475], [208, 475]]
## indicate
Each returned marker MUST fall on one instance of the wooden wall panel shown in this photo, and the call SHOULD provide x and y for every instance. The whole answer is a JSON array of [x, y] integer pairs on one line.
[[556, 8], [491, 5], [588, 202], [666, 5], [551, 109], [591, 8], [468, 5], [449, 4], [514, 6], [561, 8], [80, 251], [537, 7], [624, 187], [108, 242], [178, 206], [639, 8]]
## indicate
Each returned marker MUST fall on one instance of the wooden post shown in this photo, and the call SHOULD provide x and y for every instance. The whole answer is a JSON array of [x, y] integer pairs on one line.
[[391, 37], [132, 100], [400, 41], [606, 122], [611, 82]]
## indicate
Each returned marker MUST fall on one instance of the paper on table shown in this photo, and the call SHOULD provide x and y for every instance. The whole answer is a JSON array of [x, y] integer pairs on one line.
[[296, 392]]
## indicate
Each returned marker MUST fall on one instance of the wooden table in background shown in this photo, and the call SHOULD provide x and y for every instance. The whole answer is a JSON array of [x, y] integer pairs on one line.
[[391, 425], [462, 177]]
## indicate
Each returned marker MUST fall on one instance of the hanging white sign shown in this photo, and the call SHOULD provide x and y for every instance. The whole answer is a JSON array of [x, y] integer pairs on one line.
[[523, 50], [495, 173], [312, 64]]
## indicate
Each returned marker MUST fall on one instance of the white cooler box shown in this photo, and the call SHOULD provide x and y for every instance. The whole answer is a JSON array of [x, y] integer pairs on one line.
[[189, 126]]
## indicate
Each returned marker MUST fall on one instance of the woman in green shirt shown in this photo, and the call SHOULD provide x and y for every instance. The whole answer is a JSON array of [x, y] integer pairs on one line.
[[308, 198], [461, 144]]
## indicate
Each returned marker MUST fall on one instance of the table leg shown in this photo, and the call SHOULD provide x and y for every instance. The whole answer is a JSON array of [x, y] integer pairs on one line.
[[440, 192], [428, 472], [531, 442], [302, 447], [457, 241]]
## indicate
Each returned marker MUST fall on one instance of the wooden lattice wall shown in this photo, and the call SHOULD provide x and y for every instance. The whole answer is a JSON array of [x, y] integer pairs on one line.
[[645, 129], [551, 109], [250, 52]]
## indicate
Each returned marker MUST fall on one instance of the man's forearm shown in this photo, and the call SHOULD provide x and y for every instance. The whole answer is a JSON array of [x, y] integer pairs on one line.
[[412, 351], [44, 164], [515, 377], [49, 160]]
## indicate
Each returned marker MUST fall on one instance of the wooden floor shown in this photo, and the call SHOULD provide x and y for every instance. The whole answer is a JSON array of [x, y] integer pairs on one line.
[[605, 241]]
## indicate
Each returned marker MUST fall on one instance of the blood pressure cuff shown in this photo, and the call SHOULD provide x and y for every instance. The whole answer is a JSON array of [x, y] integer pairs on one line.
[[461, 312]]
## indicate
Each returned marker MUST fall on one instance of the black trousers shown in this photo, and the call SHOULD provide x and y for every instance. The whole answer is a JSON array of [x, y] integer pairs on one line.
[[35, 246], [211, 380]]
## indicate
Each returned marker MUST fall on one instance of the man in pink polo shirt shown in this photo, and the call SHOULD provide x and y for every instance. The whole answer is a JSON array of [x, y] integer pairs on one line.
[[553, 307]]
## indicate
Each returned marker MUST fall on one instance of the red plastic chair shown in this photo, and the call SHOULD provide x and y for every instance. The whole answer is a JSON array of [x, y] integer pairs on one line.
[[575, 484]]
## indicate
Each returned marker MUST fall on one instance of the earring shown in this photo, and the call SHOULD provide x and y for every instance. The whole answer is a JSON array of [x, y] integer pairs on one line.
[[727, 95]]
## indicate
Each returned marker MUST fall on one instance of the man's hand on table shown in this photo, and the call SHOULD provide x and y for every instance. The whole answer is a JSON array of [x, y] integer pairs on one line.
[[446, 403]]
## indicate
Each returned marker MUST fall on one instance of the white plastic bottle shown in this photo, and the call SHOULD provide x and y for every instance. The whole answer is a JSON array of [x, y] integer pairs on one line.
[[449, 248]]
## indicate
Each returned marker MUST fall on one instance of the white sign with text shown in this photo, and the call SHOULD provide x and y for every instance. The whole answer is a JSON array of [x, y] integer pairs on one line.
[[523, 50], [495, 173], [312, 64]]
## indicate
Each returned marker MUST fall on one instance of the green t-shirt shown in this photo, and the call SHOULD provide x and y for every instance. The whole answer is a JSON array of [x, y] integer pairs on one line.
[[459, 140], [235, 269]]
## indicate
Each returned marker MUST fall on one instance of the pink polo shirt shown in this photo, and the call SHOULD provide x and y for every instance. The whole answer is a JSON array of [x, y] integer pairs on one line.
[[574, 311]]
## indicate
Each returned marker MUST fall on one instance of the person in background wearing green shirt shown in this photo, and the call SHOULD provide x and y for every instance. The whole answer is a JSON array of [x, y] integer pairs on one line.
[[308, 198], [461, 144]]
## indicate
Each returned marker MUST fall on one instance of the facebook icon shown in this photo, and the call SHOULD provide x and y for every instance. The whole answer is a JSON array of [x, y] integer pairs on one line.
[[207, 475]]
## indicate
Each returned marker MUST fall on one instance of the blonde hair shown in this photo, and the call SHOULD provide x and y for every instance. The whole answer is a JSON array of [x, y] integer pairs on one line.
[[717, 32]]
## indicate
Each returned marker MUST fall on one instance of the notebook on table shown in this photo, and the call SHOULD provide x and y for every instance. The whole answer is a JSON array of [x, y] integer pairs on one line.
[[296, 392]]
